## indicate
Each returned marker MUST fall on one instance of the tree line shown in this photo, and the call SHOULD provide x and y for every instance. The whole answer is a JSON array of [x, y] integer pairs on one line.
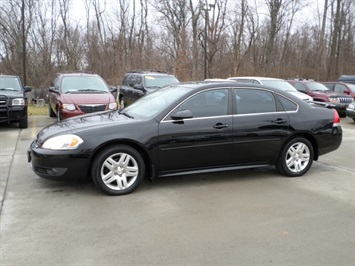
[[193, 39]]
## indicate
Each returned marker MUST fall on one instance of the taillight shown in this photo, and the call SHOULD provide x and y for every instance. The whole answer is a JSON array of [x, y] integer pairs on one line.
[[336, 121]]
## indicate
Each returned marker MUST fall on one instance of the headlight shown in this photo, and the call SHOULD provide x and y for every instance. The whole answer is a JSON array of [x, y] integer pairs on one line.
[[68, 106], [334, 100], [351, 106], [18, 101], [63, 142], [112, 106]]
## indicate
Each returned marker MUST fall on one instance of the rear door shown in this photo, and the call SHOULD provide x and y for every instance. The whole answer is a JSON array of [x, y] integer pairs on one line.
[[260, 125]]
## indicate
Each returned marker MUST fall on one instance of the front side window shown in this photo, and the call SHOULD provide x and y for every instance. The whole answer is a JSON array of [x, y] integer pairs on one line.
[[300, 87], [339, 88], [251, 101], [207, 103]]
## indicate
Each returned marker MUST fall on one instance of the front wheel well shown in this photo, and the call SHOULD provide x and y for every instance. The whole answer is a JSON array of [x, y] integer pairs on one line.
[[140, 149]]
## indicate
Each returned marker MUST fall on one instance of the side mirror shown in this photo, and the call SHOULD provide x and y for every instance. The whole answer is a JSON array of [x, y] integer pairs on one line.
[[113, 89], [27, 89], [52, 89], [138, 87], [184, 114]]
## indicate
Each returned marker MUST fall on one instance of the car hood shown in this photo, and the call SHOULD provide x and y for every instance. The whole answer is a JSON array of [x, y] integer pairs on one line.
[[87, 98], [331, 94], [301, 95], [80, 123], [12, 93]]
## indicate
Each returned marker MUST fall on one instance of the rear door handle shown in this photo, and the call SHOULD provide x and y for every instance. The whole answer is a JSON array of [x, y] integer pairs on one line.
[[279, 121]]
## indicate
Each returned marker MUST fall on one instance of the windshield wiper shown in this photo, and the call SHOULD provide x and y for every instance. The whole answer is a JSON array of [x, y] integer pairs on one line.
[[7, 89], [125, 114], [92, 90]]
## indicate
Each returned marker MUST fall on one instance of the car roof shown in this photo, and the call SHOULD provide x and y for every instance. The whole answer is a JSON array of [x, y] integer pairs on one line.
[[148, 72], [254, 77], [9, 76], [76, 74], [201, 85]]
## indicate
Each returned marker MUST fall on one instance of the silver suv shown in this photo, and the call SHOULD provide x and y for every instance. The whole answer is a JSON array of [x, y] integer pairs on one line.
[[273, 83]]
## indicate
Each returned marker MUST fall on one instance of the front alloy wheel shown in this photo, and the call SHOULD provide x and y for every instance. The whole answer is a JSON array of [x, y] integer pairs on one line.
[[296, 157], [118, 170]]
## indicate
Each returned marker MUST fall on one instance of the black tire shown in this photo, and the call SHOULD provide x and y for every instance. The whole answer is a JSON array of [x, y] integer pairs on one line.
[[51, 112], [110, 168], [23, 123], [296, 158]]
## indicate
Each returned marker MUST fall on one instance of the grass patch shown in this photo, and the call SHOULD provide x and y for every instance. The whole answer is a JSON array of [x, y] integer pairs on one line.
[[33, 110]]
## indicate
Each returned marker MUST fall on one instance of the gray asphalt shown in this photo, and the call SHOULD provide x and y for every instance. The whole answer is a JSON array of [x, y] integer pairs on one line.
[[249, 217]]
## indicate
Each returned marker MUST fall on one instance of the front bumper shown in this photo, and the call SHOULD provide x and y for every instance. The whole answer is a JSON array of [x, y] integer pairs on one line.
[[58, 165], [12, 113]]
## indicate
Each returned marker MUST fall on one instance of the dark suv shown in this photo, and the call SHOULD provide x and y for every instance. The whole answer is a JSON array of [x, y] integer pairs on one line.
[[73, 94], [321, 93], [13, 102], [138, 83]]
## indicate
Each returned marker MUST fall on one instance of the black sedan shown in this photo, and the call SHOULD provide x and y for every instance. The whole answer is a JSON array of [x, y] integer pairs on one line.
[[185, 129]]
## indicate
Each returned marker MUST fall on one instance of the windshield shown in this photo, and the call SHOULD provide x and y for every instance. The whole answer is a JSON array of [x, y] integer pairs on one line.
[[279, 84], [153, 103], [315, 86], [83, 84], [10, 83], [152, 81]]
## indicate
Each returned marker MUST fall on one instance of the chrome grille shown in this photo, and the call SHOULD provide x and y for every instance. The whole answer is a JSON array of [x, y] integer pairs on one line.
[[91, 108], [345, 99]]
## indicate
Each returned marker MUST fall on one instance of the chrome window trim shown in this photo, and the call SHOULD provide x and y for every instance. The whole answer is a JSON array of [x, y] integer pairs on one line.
[[233, 115]]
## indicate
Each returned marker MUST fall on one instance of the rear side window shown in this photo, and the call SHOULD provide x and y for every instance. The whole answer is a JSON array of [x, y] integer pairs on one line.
[[287, 104], [254, 101]]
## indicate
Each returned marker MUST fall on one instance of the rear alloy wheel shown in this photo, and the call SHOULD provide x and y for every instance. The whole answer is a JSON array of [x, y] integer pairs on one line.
[[118, 170], [296, 158]]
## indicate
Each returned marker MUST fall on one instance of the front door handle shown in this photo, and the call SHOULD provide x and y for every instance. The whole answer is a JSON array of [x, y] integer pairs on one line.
[[220, 126]]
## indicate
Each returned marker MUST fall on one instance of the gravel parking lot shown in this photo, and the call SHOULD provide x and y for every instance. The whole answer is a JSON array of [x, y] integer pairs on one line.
[[249, 217]]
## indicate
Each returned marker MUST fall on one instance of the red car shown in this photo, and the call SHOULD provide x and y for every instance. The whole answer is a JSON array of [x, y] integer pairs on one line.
[[73, 94], [320, 93], [341, 87]]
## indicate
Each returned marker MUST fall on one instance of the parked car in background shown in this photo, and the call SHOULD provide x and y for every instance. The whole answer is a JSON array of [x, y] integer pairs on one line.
[[341, 87], [138, 83], [187, 128], [350, 111], [13, 101], [321, 93], [73, 94], [274, 83], [347, 78]]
